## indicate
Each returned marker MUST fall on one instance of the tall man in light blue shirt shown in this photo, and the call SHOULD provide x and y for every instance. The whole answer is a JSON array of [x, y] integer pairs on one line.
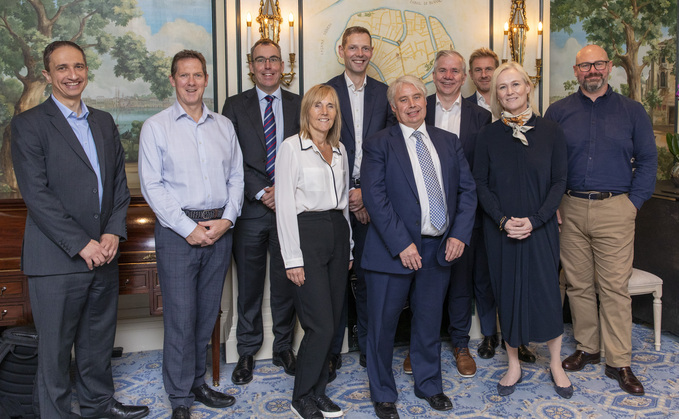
[[191, 173]]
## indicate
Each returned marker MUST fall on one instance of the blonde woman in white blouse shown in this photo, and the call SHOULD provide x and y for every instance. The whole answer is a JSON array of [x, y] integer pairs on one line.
[[312, 214]]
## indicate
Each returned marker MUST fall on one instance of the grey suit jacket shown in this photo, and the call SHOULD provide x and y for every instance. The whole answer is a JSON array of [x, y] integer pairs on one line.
[[59, 187], [244, 112]]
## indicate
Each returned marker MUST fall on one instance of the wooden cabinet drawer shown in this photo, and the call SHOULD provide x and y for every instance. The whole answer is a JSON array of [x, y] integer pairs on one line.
[[11, 288], [10, 314], [133, 282]]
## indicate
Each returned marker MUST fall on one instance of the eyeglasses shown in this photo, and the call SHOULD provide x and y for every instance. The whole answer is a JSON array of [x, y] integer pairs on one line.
[[599, 65], [272, 60]]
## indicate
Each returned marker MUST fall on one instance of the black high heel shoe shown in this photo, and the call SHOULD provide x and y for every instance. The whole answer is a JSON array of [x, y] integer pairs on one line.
[[565, 392]]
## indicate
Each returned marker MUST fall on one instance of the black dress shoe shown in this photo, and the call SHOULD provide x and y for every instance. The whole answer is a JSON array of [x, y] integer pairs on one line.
[[362, 360], [212, 398], [121, 411], [242, 374], [578, 359], [439, 402], [305, 408], [626, 379], [334, 364], [181, 412], [526, 355], [487, 347], [285, 359], [328, 408], [386, 410]]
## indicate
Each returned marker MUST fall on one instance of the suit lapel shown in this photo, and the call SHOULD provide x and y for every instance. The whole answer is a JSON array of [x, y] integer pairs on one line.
[[255, 114], [398, 147], [430, 118], [288, 114], [345, 106], [99, 144], [63, 127], [465, 118], [368, 104], [440, 146]]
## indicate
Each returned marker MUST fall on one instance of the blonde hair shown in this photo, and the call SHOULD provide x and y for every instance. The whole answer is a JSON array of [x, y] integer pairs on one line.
[[314, 95], [495, 105]]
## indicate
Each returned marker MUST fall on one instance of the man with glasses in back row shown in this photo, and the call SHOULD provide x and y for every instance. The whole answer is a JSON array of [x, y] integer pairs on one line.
[[262, 117], [612, 163]]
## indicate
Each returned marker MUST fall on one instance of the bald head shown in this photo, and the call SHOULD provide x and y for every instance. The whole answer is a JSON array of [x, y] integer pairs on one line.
[[591, 53]]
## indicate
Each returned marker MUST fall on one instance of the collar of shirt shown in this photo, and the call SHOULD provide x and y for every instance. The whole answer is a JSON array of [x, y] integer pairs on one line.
[[306, 143], [457, 103], [262, 94], [408, 132], [609, 91], [179, 112], [350, 84], [68, 113]]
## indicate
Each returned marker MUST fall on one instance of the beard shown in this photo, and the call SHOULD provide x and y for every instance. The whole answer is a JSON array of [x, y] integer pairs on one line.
[[593, 82]]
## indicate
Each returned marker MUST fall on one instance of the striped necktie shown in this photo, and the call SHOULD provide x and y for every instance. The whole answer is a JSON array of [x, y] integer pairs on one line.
[[437, 209], [270, 136]]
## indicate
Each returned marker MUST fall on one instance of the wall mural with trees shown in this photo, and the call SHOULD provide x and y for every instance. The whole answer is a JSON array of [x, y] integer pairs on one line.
[[128, 43]]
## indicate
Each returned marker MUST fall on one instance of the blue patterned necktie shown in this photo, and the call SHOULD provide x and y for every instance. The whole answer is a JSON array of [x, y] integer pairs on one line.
[[437, 212], [270, 136]]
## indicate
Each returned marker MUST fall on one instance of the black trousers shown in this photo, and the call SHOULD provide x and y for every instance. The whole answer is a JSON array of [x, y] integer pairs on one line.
[[324, 240]]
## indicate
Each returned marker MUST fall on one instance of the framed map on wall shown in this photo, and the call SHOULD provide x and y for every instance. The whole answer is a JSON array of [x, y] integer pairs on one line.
[[406, 35]]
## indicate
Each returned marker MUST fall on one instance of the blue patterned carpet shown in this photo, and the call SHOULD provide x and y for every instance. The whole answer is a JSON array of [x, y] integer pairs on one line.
[[138, 380]]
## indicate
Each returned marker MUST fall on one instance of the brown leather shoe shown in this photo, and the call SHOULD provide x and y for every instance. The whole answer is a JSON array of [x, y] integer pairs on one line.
[[466, 366], [407, 368], [578, 360], [626, 379]]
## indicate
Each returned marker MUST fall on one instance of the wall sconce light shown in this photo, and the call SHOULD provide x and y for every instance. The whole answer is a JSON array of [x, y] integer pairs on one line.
[[270, 20], [515, 33]]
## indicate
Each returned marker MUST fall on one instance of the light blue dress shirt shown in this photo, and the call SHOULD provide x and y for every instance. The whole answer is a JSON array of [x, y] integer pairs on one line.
[[191, 165], [81, 129]]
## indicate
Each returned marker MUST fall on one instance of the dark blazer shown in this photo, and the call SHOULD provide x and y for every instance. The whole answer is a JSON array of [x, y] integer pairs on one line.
[[472, 118], [59, 187], [390, 195], [472, 99], [377, 114], [244, 112]]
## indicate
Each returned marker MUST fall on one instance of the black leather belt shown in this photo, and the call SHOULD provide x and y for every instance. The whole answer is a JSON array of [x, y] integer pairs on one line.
[[592, 195], [208, 214], [357, 182], [424, 236]]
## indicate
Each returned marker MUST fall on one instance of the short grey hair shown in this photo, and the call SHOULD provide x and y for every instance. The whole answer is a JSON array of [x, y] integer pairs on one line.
[[450, 53], [407, 79]]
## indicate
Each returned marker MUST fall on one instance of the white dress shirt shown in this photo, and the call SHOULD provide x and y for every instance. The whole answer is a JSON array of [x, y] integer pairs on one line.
[[306, 182], [357, 99], [277, 107], [449, 119], [191, 165], [481, 101], [425, 220]]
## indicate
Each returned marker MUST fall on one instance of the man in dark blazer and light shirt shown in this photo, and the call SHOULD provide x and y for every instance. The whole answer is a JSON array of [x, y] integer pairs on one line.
[[365, 111], [263, 117], [70, 166], [421, 198]]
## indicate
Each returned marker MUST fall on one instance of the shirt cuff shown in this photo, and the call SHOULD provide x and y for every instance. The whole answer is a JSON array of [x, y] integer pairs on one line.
[[260, 194]]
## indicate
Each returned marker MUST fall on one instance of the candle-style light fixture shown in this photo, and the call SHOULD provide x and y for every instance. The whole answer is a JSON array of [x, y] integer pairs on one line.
[[515, 31], [270, 21]]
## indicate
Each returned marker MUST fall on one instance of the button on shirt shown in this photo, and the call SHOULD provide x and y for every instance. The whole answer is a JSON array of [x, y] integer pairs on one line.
[[81, 129], [449, 119], [185, 164], [306, 182], [357, 99], [425, 219], [606, 140]]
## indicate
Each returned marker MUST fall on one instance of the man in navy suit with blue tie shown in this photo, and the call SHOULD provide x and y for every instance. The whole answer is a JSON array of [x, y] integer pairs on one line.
[[365, 111], [421, 198]]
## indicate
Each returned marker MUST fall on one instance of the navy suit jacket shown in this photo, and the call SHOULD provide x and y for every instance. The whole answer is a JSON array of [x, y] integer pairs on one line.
[[472, 119], [244, 112], [390, 195], [472, 99], [60, 188], [377, 114]]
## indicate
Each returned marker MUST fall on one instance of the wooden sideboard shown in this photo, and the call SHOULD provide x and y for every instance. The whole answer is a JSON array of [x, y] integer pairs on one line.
[[137, 264]]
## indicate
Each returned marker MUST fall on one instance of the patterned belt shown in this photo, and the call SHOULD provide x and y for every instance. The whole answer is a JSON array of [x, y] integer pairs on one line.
[[207, 214], [592, 195]]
